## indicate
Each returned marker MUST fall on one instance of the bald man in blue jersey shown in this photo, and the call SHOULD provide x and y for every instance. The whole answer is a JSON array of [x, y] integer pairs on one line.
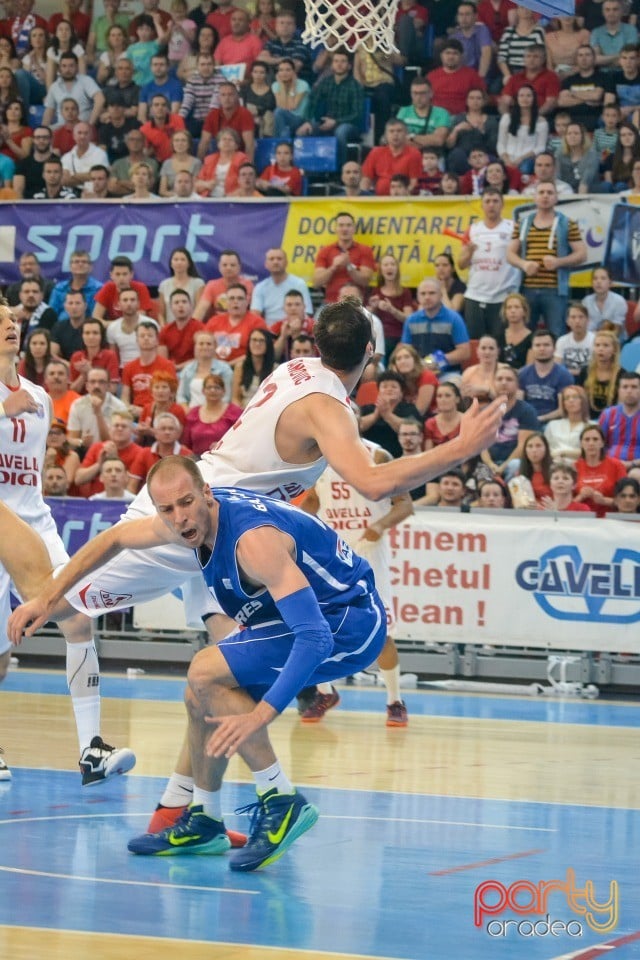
[[307, 611]]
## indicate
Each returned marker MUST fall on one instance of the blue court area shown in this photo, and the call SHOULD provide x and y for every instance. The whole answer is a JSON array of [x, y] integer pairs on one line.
[[382, 874]]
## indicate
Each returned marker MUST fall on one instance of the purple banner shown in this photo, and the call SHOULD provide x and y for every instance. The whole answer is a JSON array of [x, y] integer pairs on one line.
[[144, 232], [79, 521]]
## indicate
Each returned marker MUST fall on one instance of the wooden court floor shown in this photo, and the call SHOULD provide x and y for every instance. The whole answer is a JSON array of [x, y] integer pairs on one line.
[[414, 824]]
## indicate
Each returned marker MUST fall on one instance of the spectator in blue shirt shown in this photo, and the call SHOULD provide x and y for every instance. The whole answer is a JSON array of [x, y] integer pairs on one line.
[[163, 83], [543, 381], [80, 281], [437, 332], [609, 39]]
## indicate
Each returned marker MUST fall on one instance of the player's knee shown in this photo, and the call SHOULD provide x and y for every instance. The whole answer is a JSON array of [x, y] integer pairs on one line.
[[206, 670], [77, 629]]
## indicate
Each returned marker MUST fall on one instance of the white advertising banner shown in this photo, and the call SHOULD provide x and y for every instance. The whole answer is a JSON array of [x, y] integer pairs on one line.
[[547, 582]]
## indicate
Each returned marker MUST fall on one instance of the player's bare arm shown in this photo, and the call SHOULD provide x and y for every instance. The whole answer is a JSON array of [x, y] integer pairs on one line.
[[49, 604], [335, 432]]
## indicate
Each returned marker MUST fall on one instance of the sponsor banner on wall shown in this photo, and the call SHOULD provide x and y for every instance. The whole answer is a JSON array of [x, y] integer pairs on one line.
[[147, 233], [544, 582], [79, 521], [144, 232]]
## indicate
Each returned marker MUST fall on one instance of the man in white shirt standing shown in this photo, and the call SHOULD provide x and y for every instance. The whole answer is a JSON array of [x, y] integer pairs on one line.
[[491, 278], [77, 163]]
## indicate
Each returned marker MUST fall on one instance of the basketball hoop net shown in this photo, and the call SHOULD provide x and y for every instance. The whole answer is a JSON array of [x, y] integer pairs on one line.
[[351, 24]]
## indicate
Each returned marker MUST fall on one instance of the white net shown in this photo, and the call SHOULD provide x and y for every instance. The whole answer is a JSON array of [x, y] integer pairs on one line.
[[351, 23]]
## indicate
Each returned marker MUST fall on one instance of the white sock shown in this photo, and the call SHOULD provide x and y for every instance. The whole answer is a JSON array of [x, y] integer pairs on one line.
[[391, 680], [211, 802], [178, 791], [270, 778], [325, 688], [83, 679]]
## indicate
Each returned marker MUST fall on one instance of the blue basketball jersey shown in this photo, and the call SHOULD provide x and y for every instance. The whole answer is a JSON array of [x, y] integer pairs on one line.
[[337, 576]]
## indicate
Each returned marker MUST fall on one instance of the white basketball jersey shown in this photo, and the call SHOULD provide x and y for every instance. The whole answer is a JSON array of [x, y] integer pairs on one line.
[[346, 510], [23, 442], [248, 457], [491, 278]]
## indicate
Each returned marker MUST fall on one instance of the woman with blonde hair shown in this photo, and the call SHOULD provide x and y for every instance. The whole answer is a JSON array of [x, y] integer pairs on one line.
[[390, 301], [515, 339], [182, 158], [577, 162], [603, 373], [420, 383], [563, 434]]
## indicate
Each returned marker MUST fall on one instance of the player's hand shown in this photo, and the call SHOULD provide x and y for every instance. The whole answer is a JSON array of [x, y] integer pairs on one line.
[[479, 425], [232, 732], [26, 619], [20, 401], [372, 534]]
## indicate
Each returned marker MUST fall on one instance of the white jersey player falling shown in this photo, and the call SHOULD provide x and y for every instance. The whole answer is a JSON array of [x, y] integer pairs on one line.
[[349, 513], [243, 458], [23, 442]]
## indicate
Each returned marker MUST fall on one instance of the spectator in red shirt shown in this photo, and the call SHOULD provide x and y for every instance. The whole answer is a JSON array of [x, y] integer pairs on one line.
[[167, 430], [176, 338], [562, 480], [218, 176], [80, 22], [294, 322], [344, 261], [281, 177], [240, 45], [228, 114], [107, 306], [95, 354], [398, 156], [452, 81], [597, 473], [120, 444], [161, 126], [213, 298], [220, 19], [231, 329], [137, 374], [164, 387], [495, 15], [546, 83]]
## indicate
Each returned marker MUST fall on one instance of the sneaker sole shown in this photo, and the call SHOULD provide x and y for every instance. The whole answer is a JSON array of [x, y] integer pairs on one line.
[[399, 724], [215, 847], [5, 776], [122, 761], [308, 816]]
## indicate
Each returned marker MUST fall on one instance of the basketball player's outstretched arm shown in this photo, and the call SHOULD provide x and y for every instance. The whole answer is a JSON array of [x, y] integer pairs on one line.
[[134, 534], [334, 430]]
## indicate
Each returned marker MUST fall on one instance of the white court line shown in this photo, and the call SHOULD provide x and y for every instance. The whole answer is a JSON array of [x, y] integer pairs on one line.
[[129, 883], [324, 816]]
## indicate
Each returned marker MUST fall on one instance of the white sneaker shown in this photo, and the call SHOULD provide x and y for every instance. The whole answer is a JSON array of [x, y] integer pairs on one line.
[[99, 761], [5, 773]]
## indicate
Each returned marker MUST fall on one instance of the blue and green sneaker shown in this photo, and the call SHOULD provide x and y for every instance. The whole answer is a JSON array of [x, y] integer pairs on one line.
[[194, 832], [277, 820]]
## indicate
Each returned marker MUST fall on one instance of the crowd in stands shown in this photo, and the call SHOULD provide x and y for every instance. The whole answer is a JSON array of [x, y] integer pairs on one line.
[[482, 99], [475, 92]]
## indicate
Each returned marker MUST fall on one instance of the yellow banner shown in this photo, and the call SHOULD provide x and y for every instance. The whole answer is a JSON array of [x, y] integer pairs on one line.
[[411, 230]]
